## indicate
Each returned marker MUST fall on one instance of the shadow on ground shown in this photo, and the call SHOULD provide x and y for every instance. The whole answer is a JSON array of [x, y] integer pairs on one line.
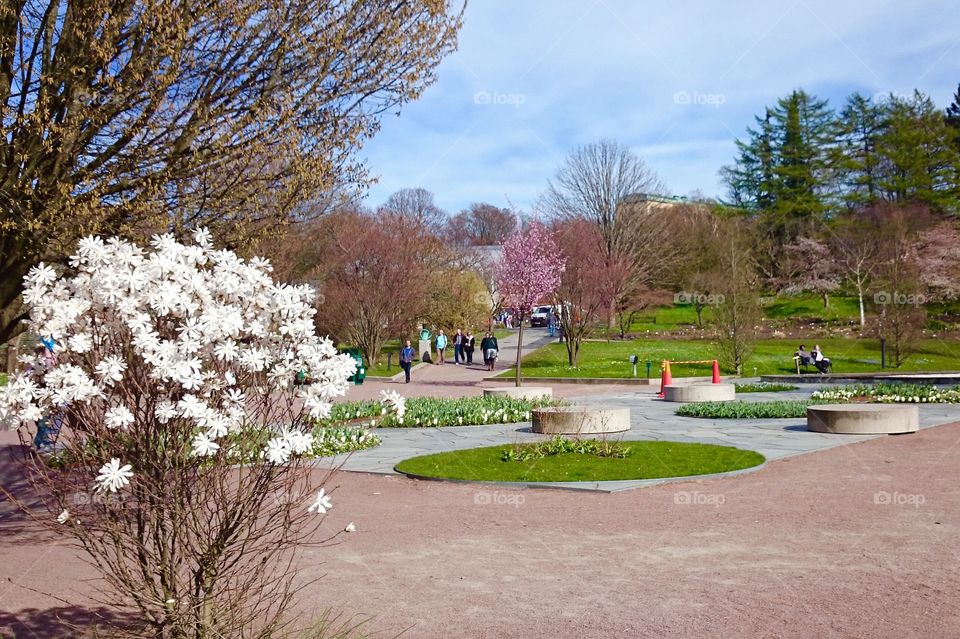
[[17, 515], [62, 622]]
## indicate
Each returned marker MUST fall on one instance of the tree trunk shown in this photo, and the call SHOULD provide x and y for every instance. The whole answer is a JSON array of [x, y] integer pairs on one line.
[[826, 300], [863, 317], [12, 311], [519, 351]]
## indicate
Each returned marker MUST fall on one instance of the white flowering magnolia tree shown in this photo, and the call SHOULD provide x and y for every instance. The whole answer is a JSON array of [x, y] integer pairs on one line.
[[180, 467]]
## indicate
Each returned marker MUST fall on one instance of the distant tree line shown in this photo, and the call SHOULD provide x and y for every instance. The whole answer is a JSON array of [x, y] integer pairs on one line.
[[863, 200]]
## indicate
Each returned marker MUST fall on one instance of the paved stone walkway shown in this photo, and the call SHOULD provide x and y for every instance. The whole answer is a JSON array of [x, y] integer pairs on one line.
[[651, 419], [450, 380]]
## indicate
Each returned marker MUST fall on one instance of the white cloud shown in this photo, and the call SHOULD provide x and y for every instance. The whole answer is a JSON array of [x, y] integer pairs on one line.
[[675, 81]]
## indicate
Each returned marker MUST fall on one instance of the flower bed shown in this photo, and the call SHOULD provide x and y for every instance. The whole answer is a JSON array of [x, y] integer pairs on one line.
[[764, 387], [884, 393], [439, 411], [560, 445], [890, 393], [328, 442], [748, 410], [248, 446]]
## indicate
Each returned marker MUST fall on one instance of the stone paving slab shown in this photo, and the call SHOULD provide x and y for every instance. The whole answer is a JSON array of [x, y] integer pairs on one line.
[[651, 419]]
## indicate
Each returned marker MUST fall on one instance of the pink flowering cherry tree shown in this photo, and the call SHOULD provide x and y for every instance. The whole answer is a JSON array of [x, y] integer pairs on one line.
[[529, 271], [182, 466]]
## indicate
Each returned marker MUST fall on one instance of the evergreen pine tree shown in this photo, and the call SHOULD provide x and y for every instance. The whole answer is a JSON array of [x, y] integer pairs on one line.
[[750, 179], [856, 162], [804, 129], [919, 160], [782, 169], [953, 118]]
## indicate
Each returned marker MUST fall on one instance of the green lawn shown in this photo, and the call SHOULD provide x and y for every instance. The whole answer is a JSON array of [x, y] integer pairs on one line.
[[646, 460], [778, 311], [774, 356], [844, 310]]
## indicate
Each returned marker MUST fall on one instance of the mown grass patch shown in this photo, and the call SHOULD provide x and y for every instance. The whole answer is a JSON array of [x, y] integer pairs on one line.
[[641, 460]]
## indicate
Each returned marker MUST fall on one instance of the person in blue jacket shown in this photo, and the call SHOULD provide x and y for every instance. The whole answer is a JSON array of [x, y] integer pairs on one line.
[[407, 354], [441, 346]]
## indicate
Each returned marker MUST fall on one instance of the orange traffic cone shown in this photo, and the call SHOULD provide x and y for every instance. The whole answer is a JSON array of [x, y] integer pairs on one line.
[[665, 378], [716, 372]]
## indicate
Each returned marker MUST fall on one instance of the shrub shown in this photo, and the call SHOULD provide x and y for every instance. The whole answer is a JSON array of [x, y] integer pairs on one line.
[[171, 375]]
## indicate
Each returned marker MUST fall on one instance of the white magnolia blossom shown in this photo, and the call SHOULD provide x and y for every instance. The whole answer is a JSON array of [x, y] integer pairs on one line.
[[191, 321], [278, 450], [110, 370], [80, 343], [118, 417], [393, 401], [63, 517], [322, 503], [165, 411], [203, 446], [298, 442], [113, 476]]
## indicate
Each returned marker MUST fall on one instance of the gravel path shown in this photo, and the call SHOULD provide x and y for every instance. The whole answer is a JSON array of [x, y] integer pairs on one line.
[[856, 541]]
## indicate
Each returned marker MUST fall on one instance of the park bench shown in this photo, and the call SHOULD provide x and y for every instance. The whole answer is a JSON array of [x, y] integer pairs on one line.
[[806, 362]]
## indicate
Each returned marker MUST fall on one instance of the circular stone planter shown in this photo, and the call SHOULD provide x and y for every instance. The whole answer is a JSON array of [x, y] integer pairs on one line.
[[519, 392], [580, 420], [699, 393], [863, 419]]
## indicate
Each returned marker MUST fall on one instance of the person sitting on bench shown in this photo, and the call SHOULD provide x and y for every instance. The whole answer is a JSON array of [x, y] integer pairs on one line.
[[822, 363], [803, 357]]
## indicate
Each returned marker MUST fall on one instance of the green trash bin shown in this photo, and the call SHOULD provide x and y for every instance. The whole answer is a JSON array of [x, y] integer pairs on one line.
[[361, 374]]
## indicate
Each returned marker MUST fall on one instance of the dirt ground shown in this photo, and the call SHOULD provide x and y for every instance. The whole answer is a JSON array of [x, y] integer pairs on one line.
[[856, 541]]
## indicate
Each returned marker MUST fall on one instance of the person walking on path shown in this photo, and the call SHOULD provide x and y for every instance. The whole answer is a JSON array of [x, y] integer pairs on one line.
[[485, 349], [490, 348], [406, 359], [468, 345], [441, 346], [458, 348]]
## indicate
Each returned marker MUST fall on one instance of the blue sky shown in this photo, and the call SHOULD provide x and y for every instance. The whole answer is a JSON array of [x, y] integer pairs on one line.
[[676, 81]]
